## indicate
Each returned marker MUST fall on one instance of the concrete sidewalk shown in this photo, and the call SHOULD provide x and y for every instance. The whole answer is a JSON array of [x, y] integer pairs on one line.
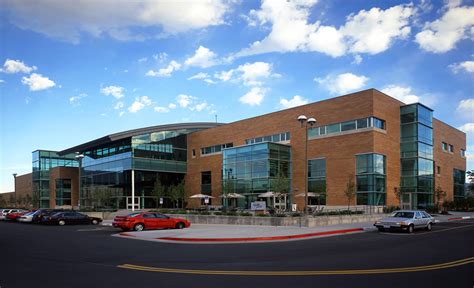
[[215, 233]]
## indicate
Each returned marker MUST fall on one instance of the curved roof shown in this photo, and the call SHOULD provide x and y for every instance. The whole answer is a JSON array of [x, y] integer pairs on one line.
[[130, 133]]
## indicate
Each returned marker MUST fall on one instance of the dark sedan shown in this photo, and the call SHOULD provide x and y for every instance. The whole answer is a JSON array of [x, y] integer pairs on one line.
[[63, 218]]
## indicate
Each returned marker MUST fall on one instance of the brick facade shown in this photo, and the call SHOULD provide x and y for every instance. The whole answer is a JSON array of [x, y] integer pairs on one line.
[[64, 173], [338, 150]]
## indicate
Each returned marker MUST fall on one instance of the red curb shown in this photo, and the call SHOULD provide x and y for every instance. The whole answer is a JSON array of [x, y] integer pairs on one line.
[[126, 234], [270, 238], [459, 218]]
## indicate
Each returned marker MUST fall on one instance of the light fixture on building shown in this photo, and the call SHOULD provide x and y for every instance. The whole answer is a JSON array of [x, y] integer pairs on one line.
[[307, 124]]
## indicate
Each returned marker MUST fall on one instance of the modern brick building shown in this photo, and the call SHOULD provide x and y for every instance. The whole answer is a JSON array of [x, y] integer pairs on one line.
[[377, 141]]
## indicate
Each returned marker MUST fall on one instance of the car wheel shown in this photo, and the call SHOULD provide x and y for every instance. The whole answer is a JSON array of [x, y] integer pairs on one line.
[[139, 227], [95, 222], [381, 229], [429, 227], [180, 225], [62, 222], [411, 229]]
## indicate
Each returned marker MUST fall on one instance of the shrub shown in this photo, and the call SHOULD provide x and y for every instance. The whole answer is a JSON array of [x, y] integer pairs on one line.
[[432, 209], [390, 209], [245, 214]]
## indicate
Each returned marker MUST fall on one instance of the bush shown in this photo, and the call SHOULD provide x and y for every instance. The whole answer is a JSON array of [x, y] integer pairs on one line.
[[432, 209], [263, 215], [279, 215], [245, 214], [466, 205]]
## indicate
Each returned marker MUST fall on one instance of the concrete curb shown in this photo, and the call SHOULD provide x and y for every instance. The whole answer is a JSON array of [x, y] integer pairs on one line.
[[459, 218]]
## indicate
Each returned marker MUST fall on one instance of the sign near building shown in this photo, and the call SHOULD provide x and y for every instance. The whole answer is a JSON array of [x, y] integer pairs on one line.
[[258, 205]]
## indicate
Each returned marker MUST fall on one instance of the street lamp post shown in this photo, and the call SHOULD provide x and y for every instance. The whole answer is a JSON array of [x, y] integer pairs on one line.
[[306, 123], [14, 187], [79, 158]]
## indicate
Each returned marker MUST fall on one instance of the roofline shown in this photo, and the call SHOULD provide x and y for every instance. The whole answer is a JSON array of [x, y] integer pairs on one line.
[[134, 132]]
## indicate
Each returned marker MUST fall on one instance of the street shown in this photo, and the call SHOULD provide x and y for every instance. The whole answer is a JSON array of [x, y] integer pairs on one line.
[[87, 256]]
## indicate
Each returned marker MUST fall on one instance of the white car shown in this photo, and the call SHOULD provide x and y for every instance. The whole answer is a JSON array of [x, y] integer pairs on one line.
[[4, 213], [27, 218]]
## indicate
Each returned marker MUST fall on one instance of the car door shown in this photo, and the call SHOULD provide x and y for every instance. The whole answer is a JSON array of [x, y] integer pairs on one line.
[[150, 220], [418, 219], [426, 218], [163, 221]]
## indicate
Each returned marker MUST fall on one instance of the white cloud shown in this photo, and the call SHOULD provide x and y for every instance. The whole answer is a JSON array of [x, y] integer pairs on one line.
[[342, 83], [172, 106], [466, 108], [203, 57], [467, 66], [115, 91], [254, 97], [210, 81], [184, 100], [142, 60], [2, 81], [297, 100], [37, 82], [16, 66], [200, 75], [121, 113], [199, 107], [372, 31], [160, 109], [119, 105], [467, 128], [357, 59], [443, 34], [75, 100], [139, 104], [123, 20], [253, 74], [165, 72], [375, 30], [160, 57], [402, 93], [224, 75]]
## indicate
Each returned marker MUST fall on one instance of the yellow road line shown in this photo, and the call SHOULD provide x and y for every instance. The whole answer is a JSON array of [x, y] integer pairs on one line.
[[446, 265]]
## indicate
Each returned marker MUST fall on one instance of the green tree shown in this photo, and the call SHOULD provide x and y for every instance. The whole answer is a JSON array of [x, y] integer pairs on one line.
[[35, 200], [28, 201], [281, 186], [159, 191], [440, 194], [398, 194], [350, 191], [100, 197], [12, 200], [177, 193]]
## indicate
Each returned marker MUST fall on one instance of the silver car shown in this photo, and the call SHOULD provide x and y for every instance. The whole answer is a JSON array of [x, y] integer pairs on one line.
[[406, 220]]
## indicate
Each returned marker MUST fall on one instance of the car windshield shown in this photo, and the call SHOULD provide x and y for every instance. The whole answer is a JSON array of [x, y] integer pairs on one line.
[[404, 214], [133, 215]]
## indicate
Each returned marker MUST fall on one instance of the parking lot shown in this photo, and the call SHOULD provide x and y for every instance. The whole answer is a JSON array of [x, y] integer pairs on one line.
[[87, 256]]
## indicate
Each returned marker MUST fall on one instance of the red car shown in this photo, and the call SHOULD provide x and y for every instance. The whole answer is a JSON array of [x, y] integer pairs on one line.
[[15, 215], [148, 220]]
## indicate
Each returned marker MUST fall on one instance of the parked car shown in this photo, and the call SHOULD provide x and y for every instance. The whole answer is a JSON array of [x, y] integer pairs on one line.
[[407, 220], [149, 220], [39, 214], [26, 218], [13, 216], [70, 217], [5, 212]]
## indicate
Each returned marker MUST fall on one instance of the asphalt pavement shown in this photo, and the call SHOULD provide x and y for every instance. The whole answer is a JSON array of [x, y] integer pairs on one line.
[[88, 256]]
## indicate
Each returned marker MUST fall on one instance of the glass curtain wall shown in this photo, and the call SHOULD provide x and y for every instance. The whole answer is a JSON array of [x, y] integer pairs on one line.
[[42, 162], [370, 179], [416, 149], [106, 170], [317, 181], [63, 192], [255, 169]]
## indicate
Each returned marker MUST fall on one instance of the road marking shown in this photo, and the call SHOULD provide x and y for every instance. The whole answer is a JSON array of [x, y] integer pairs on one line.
[[426, 232], [446, 265], [90, 229]]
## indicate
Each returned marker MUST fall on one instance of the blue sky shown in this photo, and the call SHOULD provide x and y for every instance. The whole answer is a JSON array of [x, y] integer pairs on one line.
[[73, 71]]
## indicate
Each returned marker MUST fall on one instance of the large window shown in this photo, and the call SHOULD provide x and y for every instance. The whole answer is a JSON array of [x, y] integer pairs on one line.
[[206, 181], [215, 148], [370, 179], [459, 177], [317, 181], [63, 192], [255, 169], [347, 126], [280, 137]]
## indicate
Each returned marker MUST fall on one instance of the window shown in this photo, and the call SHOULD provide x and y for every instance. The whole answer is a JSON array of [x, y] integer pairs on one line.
[[370, 179], [444, 146], [194, 152], [451, 148], [462, 152], [271, 138], [317, 181], [346, 126], [206, 180], [215, 149], [438, 170]]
